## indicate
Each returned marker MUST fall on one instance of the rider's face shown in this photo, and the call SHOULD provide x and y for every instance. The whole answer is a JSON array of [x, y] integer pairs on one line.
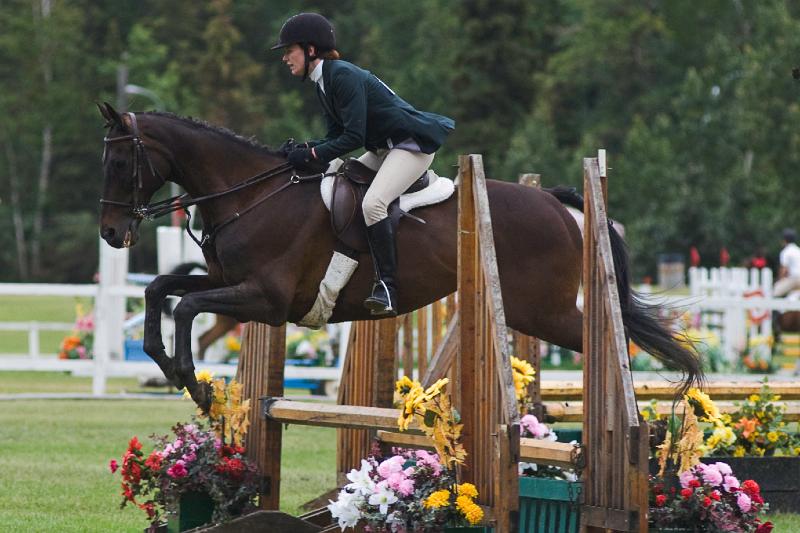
[[295, 59]]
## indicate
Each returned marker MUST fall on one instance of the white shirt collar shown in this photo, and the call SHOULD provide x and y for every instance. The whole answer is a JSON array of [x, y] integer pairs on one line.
[[316, 75]]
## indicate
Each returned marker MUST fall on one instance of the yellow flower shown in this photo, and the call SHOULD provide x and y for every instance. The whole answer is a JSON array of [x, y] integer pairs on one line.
[[467, 489], [797, 450], [738, 451], [646, 415], [440, 498], [435, 389], [523, 374], [703, 407], [754, 398], [404, 386], [204, 376], [471, 511], [772, 436], [760, 451], [232, 343]]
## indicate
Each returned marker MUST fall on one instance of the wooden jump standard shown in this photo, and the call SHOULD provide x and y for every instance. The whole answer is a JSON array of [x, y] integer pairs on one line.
[[474, 352]]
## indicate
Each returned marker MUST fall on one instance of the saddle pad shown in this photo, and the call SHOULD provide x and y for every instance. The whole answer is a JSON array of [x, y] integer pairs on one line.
[[439, 190]]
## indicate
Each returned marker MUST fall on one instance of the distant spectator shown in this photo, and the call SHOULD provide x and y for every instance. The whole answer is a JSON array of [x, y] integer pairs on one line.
[[789, 272], [694, 256], [724, 257]]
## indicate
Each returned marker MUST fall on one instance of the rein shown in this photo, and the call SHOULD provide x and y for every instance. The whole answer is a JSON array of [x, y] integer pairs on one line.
[[151, 211]]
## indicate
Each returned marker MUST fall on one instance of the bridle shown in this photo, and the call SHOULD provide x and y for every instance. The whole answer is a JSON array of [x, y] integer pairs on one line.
[[139, 157], [182, 202]]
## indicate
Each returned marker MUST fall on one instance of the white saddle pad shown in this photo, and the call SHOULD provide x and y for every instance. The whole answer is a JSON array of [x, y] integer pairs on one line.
[[439, 190]]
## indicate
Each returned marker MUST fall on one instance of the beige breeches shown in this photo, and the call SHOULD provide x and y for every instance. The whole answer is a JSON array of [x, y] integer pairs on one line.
[[397, 170], [786, 285]]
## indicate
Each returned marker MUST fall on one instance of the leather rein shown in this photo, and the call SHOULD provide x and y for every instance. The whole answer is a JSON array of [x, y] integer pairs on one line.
[[182, 202]]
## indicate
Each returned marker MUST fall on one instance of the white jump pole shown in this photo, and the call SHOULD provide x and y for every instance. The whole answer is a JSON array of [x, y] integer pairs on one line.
[[109, 312]]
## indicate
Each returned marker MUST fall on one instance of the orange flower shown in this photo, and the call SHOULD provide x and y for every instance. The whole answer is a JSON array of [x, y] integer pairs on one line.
[[71, 342], [747, 426]]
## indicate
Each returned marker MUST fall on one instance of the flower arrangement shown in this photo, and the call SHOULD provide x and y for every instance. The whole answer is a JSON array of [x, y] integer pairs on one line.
[[756, 428], [413, 490], [408, 491], [710, 499], [531, 428], [79, 343], [205, 456], [311, 346]]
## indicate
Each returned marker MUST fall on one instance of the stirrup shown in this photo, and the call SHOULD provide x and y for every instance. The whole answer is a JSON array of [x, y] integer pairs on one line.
[[380, 306]]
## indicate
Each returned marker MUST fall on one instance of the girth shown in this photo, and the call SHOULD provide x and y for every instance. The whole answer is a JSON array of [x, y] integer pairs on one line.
[[349, 187]]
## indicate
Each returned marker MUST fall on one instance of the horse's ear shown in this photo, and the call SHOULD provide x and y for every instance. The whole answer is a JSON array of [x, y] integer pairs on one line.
[[103, 112], [111, 114]]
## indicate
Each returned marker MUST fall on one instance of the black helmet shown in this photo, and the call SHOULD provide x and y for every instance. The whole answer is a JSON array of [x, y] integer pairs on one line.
[[789, 235], [307, 28]]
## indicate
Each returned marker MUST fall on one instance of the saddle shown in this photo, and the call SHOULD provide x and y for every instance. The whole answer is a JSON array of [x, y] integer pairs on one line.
[[350, 184]]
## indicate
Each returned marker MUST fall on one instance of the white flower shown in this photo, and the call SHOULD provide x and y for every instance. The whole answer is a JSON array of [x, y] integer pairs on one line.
[[360, 480], [383, 497], [345, 509]]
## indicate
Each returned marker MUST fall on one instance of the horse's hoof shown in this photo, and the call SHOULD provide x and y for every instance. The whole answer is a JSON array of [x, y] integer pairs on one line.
[[202, 395]]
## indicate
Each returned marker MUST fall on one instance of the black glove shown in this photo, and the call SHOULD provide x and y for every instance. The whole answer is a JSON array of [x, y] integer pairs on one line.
[[300, 157], [287, 147]]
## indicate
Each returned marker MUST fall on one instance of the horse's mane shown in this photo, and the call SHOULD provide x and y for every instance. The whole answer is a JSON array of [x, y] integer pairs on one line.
[[225, 132]]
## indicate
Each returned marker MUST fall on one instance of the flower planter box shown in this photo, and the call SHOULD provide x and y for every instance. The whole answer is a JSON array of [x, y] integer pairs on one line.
[[194, 509], [778, 477], [551, 505]]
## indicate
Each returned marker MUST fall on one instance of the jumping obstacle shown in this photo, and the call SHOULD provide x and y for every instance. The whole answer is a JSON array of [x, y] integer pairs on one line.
[[466, 339]]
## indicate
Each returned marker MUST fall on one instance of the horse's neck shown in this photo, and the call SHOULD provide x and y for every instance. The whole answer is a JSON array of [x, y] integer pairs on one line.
[[211, 163]]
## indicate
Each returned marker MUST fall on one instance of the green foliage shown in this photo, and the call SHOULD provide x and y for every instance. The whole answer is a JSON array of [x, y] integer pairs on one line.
[[694, 101]]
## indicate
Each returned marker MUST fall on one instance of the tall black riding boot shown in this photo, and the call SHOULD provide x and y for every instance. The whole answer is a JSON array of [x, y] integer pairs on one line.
[[384, 251]]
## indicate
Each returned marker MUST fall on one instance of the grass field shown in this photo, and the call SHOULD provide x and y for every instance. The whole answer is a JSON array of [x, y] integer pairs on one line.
[[54, 473], [41, 309]]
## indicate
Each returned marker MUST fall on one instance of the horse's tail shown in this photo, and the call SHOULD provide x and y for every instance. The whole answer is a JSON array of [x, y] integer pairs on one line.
[[182, 269], [640, 318]]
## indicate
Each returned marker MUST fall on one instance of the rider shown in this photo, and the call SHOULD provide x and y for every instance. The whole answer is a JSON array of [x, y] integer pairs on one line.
[[362, 112], [789, 273]]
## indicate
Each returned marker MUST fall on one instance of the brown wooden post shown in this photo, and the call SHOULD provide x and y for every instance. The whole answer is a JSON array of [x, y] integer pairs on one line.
[[464, 391], [260, 371]]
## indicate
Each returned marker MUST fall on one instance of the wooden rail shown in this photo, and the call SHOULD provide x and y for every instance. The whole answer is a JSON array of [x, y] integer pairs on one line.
[[659, 390]]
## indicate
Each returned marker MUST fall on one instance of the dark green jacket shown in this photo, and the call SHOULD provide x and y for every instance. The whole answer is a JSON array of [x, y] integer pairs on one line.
[[362, 112]]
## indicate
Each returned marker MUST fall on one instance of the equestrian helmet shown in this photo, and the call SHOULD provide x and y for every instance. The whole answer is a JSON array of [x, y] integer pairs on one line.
[[307, 28]]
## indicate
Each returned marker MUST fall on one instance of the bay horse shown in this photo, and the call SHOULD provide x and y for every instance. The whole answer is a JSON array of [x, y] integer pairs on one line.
[[268, 240]]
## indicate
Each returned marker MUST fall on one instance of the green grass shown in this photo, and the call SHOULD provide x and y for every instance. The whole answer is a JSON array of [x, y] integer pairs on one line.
[[53, 466], [16, 382], [40, 309]]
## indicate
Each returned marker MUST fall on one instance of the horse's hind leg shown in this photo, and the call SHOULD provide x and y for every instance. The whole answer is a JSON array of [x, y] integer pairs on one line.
[[154, 296]]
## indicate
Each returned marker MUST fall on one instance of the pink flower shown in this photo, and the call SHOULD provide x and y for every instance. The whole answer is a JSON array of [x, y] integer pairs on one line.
[[712, 475], [730, 484], [177, 471], [392, 465], [685, 477], [532, 426], [81, 351], [430, 460], [189, 457], [406, 487], [113, 465], [744, 502], [724, 469]]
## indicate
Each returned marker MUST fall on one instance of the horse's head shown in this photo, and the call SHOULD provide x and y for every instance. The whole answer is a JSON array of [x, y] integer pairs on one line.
[[133, 171]]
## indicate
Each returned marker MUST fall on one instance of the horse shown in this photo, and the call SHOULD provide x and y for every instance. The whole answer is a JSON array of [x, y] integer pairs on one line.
[[267, 241], [222, 324]]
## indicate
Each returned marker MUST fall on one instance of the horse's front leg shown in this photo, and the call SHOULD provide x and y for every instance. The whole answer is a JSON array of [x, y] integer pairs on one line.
[[154, 295], [240, 301]]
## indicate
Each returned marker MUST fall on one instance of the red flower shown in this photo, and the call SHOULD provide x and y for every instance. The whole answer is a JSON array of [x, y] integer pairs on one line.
[[706, 501], [661, 499], [686, 493], [134, 444], [148, 508], [715, 495], [153, 462], [766, 527], [757, 499], [113, 465], [750, 487], [693, 483], [658, 488]]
